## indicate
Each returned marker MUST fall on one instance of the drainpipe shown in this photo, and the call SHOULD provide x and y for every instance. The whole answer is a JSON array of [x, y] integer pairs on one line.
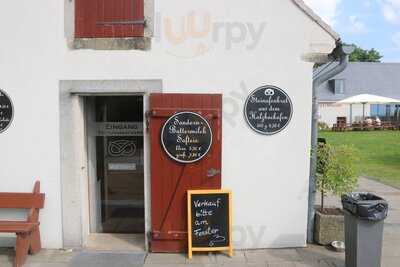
[[340, 53]]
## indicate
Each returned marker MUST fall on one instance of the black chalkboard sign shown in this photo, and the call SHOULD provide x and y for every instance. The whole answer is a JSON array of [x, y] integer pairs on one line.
[[6, 111], [268, 110], [209, 220], [186, 137]]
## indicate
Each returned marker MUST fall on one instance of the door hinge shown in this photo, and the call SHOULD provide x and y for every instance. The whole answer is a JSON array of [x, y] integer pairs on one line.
[[147, 118], [122, 22], [173, 235]]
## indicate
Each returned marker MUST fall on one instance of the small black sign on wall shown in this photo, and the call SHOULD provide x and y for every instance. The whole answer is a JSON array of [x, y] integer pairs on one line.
[[268, 110], [209, 221], [6, 111], [186, 137]]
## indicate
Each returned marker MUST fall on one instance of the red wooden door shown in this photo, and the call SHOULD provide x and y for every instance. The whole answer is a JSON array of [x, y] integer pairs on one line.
[[170, 179]]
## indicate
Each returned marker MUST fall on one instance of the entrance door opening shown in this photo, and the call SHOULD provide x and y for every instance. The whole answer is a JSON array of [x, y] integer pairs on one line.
[[116, 164]]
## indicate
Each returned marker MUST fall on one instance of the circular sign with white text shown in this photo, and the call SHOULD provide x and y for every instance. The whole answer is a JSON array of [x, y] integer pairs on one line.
[[6, 111], [268, 110], [186, 137]]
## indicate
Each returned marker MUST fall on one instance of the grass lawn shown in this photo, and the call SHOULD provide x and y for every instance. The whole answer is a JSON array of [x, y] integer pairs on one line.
[[379, 153]]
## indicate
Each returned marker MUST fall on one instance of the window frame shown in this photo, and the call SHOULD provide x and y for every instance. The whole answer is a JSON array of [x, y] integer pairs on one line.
[[339, 82]]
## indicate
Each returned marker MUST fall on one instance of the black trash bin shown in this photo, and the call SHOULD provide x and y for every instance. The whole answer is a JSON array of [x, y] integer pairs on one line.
[[364, 217]]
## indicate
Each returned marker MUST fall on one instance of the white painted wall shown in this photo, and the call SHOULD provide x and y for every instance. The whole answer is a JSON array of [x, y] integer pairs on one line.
[[329, 111], [268, 175]]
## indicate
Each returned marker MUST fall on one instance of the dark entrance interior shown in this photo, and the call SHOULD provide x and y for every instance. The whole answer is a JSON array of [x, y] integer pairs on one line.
[[116, 134]]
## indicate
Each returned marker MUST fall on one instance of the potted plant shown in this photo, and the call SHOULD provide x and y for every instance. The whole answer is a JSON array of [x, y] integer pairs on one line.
[[336, 174]]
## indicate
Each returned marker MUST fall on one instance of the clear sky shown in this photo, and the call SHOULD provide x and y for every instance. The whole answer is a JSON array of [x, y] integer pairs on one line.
[[367, 23]]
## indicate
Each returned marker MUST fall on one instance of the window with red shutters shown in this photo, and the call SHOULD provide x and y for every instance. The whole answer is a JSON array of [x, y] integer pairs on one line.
[[109, 18]]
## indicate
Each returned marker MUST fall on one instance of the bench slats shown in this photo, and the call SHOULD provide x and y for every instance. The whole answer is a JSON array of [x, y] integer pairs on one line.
[[16, 226], [21, 200], [28, 233]]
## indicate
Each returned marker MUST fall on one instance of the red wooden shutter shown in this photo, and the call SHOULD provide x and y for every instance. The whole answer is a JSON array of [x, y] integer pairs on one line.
[[170, 180], [109, 18]]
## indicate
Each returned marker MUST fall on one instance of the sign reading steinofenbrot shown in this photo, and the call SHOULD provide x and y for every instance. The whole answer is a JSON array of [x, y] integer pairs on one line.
[[268, 110], [186, 137], [6, 111]]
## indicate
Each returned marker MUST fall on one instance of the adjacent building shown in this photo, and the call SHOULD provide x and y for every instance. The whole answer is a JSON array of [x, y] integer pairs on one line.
[[381, 79]]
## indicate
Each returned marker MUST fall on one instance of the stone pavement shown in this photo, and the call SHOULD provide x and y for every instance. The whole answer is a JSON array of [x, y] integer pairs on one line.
[[299, 257]]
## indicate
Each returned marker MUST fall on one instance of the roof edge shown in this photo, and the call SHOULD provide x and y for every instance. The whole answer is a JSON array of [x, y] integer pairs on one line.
[[312, 15]]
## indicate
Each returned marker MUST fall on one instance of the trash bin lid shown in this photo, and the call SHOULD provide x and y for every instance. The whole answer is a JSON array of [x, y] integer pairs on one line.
[[365, 206]]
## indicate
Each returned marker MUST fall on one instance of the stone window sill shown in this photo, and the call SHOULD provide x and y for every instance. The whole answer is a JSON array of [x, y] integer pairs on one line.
[[131, 43]]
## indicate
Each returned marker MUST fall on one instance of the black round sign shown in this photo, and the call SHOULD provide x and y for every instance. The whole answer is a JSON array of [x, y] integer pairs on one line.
[[268, 110], [6, 111], [186, 137]]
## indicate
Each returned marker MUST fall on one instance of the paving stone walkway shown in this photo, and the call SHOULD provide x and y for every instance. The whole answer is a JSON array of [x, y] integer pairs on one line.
[[314, 256], [300, 257]]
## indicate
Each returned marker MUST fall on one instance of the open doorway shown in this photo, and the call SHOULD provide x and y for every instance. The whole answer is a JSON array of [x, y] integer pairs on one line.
[[115, 165]]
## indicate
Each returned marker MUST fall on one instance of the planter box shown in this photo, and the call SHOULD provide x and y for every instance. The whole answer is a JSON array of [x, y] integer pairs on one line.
[[328, 227]]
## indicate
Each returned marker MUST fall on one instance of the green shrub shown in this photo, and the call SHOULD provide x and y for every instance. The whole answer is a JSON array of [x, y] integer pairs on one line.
[[336, 170], [323, 126]]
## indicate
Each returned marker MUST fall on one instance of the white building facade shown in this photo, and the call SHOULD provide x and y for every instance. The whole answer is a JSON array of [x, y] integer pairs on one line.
[[225, 47]]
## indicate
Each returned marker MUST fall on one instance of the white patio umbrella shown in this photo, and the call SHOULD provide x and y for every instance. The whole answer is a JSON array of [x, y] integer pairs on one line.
[[366, 99]]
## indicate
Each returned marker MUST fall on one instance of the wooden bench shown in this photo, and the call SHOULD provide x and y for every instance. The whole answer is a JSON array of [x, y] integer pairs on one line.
[[28, 234], [387, 125]]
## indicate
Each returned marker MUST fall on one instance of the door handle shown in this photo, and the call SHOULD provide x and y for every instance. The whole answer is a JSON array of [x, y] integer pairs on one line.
[[212, 172]]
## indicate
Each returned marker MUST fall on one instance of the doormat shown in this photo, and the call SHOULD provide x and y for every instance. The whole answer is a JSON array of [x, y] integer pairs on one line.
[[108, 259]]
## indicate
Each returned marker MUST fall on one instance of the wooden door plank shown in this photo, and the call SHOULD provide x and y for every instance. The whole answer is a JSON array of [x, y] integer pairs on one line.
[[169, 227]]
